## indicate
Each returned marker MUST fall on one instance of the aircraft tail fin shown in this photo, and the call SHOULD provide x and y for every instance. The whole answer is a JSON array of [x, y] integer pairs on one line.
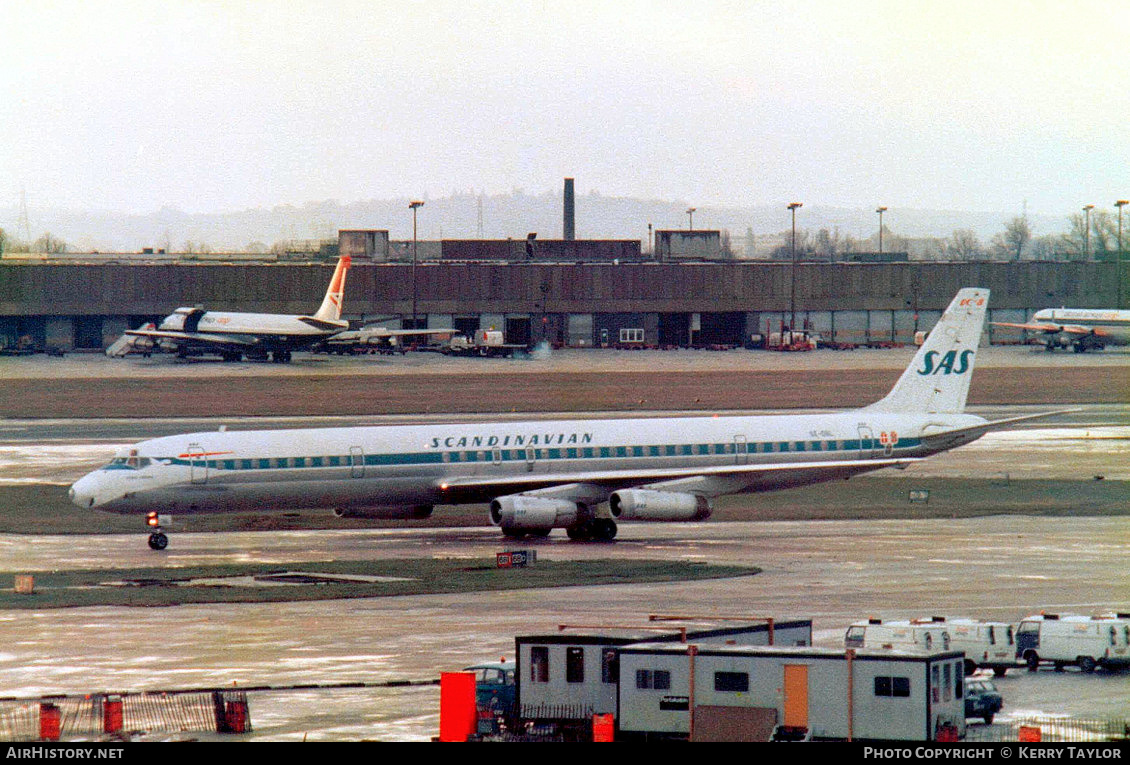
[[937, 380], [331, 303]]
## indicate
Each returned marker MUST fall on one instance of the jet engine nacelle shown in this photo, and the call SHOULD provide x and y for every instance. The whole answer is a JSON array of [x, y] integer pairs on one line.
[[401, 512], [519, 512], [648, 505]]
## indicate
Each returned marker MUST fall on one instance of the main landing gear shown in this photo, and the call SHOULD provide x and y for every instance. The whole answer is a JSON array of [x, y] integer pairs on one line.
[[157, 539], [595, 529]]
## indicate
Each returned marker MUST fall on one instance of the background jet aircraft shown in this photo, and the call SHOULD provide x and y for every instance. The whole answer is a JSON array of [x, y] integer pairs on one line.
[[191, 331], [580, 475], [1078, 328], [379, 338]]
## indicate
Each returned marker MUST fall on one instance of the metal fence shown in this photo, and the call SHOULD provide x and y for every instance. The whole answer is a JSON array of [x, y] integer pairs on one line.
[[1052, 729], [122, 715]]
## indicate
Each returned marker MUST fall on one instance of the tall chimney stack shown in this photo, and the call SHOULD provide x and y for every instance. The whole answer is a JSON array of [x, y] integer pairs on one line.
[[570, 215]]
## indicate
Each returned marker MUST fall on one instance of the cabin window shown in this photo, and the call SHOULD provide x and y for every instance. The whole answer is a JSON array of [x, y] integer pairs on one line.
[[892, 687], [731, 682], [609, 666], [946, 670], [1113, 635], [854, 637], [574, 664], [958, 680], [539, 664], [992, 636], [653, 679], [936, 681]]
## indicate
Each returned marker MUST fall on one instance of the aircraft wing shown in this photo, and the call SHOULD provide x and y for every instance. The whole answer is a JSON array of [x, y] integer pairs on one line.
[[1031, 327], [384, 332], [195, 338], [757, 477]]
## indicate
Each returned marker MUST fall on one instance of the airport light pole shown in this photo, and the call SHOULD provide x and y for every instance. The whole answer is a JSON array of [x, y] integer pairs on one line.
[[1118, 260], [690, 218], [792, 291], [414, 205], [1087, 232], [881, 210]]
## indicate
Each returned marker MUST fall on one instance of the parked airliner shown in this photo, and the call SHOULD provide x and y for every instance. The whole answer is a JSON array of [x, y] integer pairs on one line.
[[580, 475], [1081, 329], [188, 331]]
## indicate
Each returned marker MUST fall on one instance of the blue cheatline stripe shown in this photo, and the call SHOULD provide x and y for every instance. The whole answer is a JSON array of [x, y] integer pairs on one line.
[[542, 454]]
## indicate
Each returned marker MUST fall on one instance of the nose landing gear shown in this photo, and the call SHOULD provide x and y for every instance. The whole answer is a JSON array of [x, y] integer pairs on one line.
[[157, 539]]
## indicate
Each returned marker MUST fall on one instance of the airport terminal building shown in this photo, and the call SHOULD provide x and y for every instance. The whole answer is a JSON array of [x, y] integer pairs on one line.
[[602, 294]]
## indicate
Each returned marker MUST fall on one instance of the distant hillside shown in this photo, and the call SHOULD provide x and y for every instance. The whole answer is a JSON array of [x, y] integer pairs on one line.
[[457, 216]]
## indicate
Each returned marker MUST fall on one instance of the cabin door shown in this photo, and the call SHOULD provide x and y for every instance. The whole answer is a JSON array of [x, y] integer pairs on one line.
[[741, 455], [867, 443], [356, 462], [198, 464]]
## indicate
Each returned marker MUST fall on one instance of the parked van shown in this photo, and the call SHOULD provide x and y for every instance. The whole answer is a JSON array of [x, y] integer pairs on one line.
[[905, 635], [1085, 641], [987, 645]]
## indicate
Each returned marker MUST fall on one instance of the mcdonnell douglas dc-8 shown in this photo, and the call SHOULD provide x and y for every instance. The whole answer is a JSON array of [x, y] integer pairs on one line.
[[189, 331], [583, 475], [1081, 329]]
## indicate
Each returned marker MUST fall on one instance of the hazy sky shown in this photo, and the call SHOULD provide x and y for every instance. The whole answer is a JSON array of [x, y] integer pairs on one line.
[[214, 106]]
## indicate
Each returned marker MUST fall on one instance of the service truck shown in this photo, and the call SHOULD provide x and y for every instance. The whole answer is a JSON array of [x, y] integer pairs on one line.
[[987, 645], [483, 342], [1063, 639], [904, 634]]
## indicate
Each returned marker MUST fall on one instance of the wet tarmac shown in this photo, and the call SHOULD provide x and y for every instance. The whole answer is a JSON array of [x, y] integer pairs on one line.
[[833, 572]]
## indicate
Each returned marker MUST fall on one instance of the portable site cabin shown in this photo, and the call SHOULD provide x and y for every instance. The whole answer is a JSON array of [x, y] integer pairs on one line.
[[566, 679], [745, 693], [1085, 641]]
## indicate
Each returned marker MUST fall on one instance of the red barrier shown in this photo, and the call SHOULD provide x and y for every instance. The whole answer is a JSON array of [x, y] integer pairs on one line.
[[457, 716], [1030, 734], [236, 716], [50, 722], [603, 728], [112, 715]]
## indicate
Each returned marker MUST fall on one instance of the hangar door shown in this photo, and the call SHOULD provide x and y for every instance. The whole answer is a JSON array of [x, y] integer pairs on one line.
[[721, 329]]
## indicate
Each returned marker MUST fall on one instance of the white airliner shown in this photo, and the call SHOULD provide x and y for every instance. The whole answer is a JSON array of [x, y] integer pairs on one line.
[[189, 331], [582, 475], [1082, 329]]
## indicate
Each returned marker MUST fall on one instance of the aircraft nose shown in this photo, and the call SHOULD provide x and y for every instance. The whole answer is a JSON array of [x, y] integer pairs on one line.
[[82, 493]]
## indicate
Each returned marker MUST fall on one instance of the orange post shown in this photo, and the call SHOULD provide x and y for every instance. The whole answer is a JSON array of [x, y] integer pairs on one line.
[[50, 722], [603, 728], [457, 717]]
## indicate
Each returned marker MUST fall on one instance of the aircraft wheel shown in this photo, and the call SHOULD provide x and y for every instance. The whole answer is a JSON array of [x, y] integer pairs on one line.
[[604, 529], [540, 532], [158, 541], [580, 532], [513, 533]]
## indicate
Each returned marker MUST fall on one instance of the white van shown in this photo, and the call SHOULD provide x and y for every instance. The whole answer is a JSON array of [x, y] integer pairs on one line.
[[1085, 641], [987, 645], [906, 635]]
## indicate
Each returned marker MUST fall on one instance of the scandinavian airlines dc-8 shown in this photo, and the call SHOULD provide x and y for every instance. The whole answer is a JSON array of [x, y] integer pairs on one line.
[[580, 475]]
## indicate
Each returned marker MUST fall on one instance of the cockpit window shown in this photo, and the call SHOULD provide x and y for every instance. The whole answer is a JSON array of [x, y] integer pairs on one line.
[[128, 463]]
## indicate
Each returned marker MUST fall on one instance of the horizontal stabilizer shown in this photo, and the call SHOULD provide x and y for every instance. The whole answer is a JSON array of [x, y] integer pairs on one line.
[[938, 438]]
